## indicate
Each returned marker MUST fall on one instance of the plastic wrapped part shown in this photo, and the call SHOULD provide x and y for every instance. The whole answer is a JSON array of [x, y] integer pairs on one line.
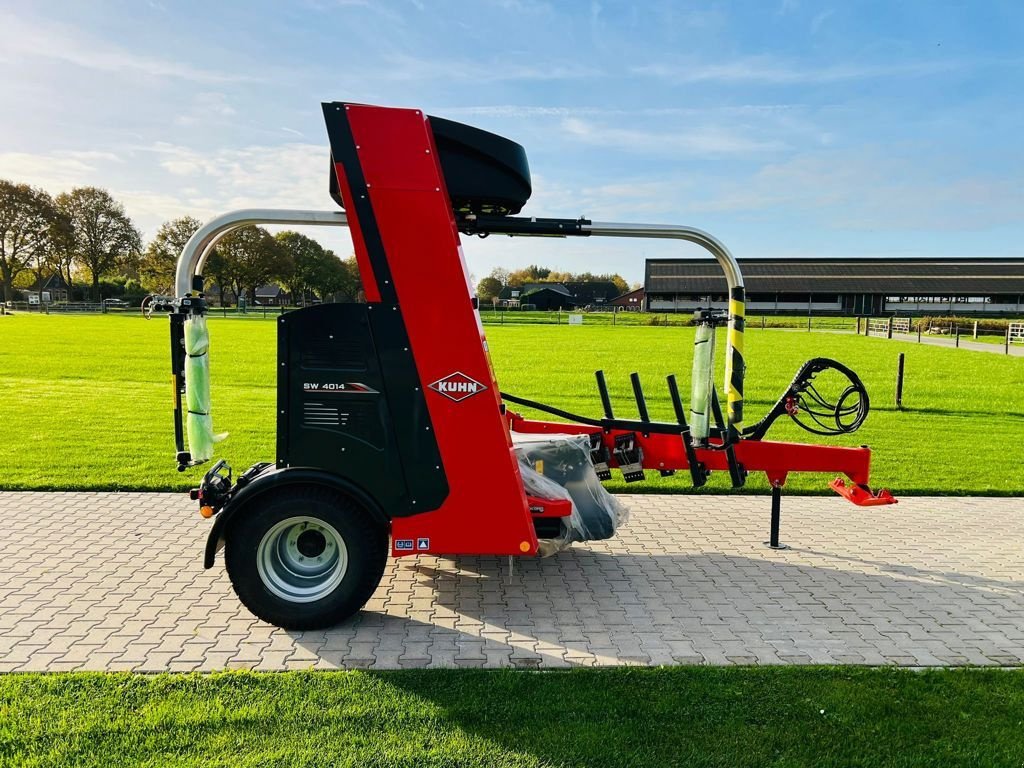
[[201, 437], [703, 381], [559, 467]]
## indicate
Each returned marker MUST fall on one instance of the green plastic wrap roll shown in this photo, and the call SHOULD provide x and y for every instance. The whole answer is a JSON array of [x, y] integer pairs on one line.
[[703, 381], [201, 436]]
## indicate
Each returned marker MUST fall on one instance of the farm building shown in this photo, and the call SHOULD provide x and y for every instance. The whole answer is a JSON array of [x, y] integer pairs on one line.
[[630, 301], [547, 298], [272, 295], [53, 288], [544, 295], [850, 286]]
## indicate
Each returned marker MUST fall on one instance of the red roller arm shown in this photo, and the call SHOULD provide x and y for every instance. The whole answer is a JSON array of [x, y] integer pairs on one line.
[[663, 451]]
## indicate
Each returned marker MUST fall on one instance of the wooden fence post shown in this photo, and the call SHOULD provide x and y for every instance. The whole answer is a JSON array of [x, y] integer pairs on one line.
[[888, 329]]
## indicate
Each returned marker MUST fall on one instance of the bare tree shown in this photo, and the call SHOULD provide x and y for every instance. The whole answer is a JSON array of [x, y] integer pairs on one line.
[[27, 217], [102, 236]]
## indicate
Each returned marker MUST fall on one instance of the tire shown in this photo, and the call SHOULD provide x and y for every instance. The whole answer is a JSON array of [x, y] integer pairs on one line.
[[305, 557]]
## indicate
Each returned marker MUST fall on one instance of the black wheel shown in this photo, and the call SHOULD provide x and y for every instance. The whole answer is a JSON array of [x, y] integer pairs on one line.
[[305, 557]]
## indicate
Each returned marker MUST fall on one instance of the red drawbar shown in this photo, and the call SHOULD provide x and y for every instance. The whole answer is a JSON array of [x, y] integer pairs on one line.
[[861, 495], [486, 510]]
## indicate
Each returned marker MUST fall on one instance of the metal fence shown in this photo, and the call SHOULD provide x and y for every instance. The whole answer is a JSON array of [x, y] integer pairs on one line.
[[519, 316], [882, 327], [1015, 333], [950, 328]]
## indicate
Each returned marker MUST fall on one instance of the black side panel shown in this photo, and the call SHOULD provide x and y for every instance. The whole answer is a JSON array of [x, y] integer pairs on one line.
[[417, 444], [350, 403]]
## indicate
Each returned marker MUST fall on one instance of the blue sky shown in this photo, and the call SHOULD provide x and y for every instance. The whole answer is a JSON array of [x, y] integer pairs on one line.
[[787, 128]]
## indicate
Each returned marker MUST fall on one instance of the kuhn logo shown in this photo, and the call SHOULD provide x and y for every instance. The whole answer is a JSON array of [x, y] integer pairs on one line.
[[457, 386]]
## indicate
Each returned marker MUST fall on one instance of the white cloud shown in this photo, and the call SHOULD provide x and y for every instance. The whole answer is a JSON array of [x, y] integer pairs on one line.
[[769, 70], [820, 19], [869, 189], [206, 108], [408, 68], [527, 111], [56, 171], [699, 141], [25, 38], [164, 180]]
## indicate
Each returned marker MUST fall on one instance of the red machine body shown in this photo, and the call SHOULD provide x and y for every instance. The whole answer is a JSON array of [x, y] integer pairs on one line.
[[486, 510], [392, 433]]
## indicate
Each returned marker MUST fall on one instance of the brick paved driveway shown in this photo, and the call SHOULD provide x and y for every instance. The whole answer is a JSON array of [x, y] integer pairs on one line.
[[115, 581]]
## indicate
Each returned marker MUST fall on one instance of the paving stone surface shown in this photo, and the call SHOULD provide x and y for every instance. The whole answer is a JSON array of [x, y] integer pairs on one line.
[[114, 581]]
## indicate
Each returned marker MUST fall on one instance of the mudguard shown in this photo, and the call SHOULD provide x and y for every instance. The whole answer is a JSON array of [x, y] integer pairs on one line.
[[277, 478]]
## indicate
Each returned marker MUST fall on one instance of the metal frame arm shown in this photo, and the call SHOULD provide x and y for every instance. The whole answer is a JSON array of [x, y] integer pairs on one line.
[[198, 248], [735, 367]]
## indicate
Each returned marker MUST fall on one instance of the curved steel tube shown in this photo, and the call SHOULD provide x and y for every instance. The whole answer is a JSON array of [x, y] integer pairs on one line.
[[674, 232], [734, 366], [198, 248]]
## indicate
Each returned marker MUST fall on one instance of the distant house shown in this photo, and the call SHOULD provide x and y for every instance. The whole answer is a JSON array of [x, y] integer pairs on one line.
[[511, 296], [548, 298], [225, 299], [55, 285], [630, 301], [272, 295], [592, 293], [589, 293]]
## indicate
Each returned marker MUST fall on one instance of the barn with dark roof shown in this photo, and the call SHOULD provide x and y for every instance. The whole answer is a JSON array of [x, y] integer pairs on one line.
[[850, 286]]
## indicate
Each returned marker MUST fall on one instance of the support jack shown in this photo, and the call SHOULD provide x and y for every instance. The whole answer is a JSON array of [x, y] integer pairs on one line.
[[773, 542]]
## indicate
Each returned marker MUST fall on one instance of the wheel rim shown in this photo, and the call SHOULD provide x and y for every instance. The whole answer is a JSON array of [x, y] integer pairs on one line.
[[302, 559]]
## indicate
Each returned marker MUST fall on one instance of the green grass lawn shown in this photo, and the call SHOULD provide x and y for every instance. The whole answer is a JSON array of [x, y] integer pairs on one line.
[[86, 400], [696, 716]]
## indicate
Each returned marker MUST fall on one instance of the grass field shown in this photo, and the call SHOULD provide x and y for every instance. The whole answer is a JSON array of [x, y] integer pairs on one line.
[[696, 716], [86, 399]]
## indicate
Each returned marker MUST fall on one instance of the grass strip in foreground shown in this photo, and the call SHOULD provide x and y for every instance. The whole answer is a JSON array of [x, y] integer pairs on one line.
[[693, 716]]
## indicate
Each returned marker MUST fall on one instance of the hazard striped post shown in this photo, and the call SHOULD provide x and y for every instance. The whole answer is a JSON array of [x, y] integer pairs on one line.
[[734, 365]]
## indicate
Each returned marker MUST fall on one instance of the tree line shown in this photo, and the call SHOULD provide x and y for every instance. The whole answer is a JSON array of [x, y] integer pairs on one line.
[[491, 286], [86, 234]]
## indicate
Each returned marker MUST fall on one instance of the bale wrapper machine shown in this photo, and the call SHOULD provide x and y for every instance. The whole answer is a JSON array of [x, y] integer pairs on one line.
[[390, 423]]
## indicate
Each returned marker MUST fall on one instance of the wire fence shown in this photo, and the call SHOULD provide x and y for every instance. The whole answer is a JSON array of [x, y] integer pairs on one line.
[[504, 316]]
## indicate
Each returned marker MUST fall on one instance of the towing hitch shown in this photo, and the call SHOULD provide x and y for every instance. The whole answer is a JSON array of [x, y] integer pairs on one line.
[[215, 489], [862, 495]]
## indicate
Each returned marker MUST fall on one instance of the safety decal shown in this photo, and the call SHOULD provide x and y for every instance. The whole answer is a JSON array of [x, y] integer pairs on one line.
[[457, 386], [422, 543], [403, 544]]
